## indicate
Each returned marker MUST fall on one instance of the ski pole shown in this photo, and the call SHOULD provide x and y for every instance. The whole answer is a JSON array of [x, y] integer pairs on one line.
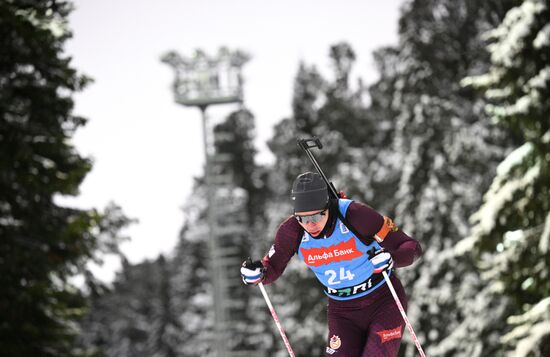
[[403, 314], [279, 326], [306, 145]]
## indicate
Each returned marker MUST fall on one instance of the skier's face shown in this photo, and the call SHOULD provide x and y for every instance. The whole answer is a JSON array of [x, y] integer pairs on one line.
[[313, 221]]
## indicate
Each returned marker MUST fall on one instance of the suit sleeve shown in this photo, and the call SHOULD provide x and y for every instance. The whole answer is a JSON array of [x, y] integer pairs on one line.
[[403, 249], [286, 242]]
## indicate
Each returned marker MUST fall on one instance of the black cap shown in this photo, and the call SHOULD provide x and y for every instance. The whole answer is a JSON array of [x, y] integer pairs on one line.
[[309, 193]]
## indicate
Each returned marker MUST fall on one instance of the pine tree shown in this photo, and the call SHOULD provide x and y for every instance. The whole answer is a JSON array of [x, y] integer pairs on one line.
[[190, 286], [511, 236], [343, 111], [307, 99], [165, 327], [42, 244], [441, 150], [372, 173], [242, 219]]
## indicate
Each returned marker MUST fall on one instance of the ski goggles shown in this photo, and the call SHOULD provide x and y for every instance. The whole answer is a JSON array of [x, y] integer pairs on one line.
[[311, 218]]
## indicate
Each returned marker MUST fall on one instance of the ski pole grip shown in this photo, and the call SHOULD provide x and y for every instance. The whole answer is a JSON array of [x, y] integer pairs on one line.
[[310, 143]]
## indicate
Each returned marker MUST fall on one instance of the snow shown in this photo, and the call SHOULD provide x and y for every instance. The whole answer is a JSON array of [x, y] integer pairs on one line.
[[498, 93], [515, 158], [481, 80], [531, 327], [539, 81], [527, 283], [544, 244], [515, 27], [56, 25], [513, 236], [499, 195], [536, 312], [527, 345], [543, 37]]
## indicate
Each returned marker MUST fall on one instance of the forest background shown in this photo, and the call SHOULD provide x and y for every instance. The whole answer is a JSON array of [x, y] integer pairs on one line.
[[453, 141]]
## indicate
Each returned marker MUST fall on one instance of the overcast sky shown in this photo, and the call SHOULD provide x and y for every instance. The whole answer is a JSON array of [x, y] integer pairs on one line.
[[146, 148]]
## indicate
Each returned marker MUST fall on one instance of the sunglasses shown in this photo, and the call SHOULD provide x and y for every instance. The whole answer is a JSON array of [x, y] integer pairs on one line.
[[312, 218]]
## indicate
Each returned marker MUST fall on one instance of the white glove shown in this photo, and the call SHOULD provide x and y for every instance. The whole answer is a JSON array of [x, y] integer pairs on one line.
[[382, 261], [252, 272]]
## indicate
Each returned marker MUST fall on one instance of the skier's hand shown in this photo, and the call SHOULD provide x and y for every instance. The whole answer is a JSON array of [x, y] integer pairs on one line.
[[252, 272], [382, 261]]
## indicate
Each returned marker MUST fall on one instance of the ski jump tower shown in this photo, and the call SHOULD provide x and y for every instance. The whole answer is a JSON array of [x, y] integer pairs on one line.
[[202, 81]]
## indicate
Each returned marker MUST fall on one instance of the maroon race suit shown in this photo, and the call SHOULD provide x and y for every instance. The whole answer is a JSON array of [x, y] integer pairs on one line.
[[370, 325]]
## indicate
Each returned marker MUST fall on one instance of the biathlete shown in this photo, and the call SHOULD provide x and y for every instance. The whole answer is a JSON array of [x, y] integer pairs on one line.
[[347, 245]]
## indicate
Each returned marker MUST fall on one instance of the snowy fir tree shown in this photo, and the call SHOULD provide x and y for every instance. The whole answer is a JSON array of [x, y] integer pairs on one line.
[[136, 317], [243, 198], [191, 285], [511, 235], [442, 153], [43, 244]]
